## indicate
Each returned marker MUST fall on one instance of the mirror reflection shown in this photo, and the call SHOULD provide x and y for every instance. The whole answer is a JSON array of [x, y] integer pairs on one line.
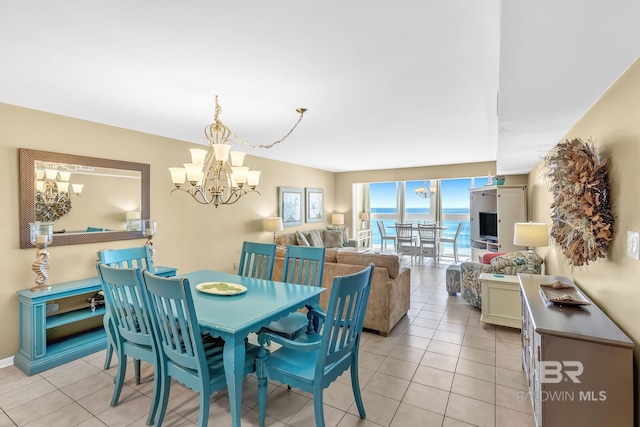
[[87, 199]]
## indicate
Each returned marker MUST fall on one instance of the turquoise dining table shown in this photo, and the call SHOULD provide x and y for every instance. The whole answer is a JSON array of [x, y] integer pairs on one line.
[[233, 317]]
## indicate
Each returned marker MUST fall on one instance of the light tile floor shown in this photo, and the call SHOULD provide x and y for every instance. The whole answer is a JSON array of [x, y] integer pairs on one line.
[[438, 367]]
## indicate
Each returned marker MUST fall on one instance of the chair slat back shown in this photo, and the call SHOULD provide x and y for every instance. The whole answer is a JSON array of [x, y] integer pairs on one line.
[[344, 317], [404, 232], [129, 258], [257, 259], [458, 230], [427, 233], [174, 320], [126, 302], [303, 265], [383, 232]]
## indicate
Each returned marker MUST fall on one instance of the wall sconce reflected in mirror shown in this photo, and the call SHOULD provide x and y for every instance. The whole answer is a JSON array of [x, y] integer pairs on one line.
[[133, 221]]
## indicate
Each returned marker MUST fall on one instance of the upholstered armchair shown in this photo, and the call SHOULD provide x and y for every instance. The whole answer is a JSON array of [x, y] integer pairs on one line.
[[511, 263]]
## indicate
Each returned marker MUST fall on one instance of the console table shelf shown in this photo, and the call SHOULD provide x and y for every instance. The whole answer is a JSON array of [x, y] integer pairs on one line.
[[44, 340], [73, 316]]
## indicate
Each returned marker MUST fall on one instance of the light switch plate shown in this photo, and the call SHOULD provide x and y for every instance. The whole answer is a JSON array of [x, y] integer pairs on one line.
[[633, 244]]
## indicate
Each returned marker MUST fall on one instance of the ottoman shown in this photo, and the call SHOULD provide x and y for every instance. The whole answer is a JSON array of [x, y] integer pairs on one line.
[[453, 279]]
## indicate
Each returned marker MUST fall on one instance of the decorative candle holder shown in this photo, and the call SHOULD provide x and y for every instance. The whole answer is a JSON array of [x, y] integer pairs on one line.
[[149, 230], [41, 237]]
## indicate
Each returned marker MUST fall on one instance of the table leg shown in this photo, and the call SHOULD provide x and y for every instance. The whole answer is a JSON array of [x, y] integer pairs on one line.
[[233, 357]]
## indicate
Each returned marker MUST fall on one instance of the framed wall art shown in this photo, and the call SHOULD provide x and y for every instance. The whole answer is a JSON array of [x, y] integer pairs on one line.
[[315, 204], [290, 206]]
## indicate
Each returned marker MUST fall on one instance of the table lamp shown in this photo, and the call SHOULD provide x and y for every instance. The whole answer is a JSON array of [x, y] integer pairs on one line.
[[274, 224], [337, 219], [530, 234], [364, 216]]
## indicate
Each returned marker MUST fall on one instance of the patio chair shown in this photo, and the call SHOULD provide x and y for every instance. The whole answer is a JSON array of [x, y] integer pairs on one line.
[[454, 241], [385, 237]]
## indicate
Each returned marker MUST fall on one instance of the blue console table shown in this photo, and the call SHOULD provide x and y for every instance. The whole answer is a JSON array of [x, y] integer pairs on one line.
[[72, 329], [59, 325]]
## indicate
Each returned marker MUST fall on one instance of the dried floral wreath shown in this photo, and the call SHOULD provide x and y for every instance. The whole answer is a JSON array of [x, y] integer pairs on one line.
[[582, 222]]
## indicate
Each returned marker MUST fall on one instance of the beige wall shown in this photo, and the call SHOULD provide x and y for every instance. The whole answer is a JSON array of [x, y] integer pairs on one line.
[[190, 236], [614, 282]]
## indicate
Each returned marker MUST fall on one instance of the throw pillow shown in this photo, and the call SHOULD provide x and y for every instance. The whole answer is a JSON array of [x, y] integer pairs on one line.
[[302, 241], [316, 238], [486, 258], [332, 238], [345, 234]]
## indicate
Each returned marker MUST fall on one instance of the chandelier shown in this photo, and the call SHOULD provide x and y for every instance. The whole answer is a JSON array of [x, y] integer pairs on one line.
[[54, 191], [425, 192], [217, 176]]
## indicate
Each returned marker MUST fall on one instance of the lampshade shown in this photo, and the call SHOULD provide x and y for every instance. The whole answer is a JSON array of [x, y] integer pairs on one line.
[[364, 216], [337, 219], [273, 224], [530, 234]]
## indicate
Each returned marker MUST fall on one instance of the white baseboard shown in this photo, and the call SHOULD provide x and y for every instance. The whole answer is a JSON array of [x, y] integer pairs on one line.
[[4, 363]]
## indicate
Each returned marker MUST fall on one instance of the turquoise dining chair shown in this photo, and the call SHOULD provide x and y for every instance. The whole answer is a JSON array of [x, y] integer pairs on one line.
[[125, 299], [257, 259], [313, 361], [186, 355], [303, 265], [130, 258]]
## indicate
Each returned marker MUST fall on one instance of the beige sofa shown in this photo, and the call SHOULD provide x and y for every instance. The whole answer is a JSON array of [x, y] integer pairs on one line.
[[389, 298]]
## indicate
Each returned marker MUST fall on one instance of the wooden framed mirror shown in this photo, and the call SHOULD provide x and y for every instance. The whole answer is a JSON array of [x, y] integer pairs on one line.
[[111, 189]]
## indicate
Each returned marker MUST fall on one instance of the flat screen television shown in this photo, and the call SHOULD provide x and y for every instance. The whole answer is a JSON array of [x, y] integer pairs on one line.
[[488, 226]]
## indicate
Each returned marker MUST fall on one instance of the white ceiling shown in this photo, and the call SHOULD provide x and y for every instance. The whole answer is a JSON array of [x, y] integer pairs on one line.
[[387, 84]]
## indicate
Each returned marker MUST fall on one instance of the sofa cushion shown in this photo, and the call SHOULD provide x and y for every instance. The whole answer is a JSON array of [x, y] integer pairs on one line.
[[315, 238], [389, 261], [331, 255], [281, 251], [332, 238], [301, 239]]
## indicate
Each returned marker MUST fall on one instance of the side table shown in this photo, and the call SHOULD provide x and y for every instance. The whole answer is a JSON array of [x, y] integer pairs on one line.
[[363, 240], [501, 301]]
